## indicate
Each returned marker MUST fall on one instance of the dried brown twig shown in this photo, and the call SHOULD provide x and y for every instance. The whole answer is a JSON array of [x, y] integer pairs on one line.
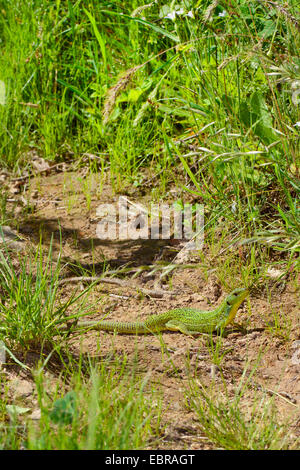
[[156, 293]]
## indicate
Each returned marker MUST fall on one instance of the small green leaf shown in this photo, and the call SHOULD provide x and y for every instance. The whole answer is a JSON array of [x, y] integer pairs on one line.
[[14, 410], [64, 409], [134, 95], [255, 114]]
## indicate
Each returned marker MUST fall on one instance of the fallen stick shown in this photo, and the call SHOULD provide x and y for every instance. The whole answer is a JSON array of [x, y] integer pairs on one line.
[[157, 293]]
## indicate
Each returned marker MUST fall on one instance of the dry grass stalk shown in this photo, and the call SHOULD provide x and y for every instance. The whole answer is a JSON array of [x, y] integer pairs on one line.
[[115, 91]]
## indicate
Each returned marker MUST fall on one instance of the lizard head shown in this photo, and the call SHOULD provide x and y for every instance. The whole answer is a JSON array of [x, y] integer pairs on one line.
[[233, 301], [236, 296]]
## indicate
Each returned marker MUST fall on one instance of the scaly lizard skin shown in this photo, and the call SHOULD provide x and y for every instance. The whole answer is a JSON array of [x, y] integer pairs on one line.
[[189, 321]]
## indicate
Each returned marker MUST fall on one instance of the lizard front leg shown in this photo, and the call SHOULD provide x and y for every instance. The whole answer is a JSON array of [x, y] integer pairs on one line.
[[176, 325]]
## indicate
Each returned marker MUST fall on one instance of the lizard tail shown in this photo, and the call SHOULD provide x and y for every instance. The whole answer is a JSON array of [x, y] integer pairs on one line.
[[120, 327]]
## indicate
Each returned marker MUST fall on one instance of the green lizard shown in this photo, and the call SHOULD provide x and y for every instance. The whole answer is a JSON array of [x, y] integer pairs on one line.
[[189, 321]]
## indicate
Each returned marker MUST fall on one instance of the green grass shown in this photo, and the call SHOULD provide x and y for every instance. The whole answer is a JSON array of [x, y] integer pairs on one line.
[[77, 82], [100, 407], [33, 308], [200, 95], [232, 422], [242, 415]]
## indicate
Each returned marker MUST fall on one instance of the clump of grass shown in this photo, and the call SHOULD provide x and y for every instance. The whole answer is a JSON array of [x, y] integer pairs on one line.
[[32, 308], [279, 325], [105, 408], [238, 420]]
